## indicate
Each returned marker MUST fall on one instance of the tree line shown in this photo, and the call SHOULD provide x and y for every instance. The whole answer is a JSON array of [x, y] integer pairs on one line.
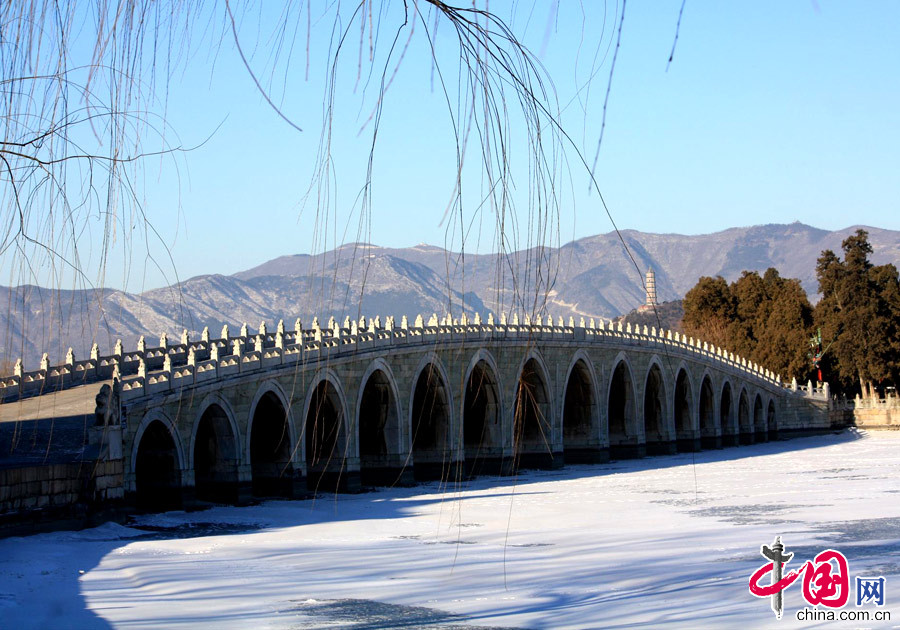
[[850, 338]]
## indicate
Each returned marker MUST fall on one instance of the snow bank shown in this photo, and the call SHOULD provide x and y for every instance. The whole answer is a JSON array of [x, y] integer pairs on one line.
[[664, 540]]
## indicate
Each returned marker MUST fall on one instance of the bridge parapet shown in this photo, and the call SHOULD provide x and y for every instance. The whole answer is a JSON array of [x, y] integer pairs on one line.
[[147, 371], [891, 403]]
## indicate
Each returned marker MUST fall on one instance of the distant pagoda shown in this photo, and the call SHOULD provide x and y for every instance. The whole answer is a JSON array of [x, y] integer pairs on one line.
[[650, 284]]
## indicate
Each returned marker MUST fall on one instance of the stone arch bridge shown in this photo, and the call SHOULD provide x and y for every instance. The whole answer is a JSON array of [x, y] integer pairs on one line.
[[283, 413]]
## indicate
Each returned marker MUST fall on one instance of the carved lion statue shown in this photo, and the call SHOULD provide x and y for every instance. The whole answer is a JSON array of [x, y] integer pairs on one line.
[[108, 409]]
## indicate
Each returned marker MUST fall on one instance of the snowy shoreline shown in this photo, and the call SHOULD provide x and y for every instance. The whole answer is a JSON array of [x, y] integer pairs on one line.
[[659, 541]]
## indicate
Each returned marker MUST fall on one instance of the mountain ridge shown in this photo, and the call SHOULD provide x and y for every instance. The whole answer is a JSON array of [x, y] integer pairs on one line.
[[592, 277]]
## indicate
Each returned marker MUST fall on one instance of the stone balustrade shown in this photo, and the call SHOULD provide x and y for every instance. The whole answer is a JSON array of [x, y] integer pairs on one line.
[[147, 370]]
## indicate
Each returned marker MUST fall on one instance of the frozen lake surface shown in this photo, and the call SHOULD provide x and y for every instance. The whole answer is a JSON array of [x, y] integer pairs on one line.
[[660, 541]]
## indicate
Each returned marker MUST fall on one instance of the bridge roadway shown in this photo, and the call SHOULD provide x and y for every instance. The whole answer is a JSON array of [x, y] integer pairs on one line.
[[284, 413]]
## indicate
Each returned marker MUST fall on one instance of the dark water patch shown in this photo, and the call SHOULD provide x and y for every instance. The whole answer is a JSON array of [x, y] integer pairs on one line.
[[366, 614], [533, 545]]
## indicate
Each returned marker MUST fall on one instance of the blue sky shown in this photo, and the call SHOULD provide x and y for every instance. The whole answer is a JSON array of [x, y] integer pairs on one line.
[[770, 112]]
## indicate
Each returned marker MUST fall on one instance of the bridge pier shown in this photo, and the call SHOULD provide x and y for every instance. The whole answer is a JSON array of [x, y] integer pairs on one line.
[[627, 451], [162, 499], [439, 471], [188, 498], [592, 455], [540, 461], [488, 465], [661, 447], [274, 481], [228, 492], [332, 481], [689, 442], [711, 442], [243, 493], [387, 475], [730, 439], [246, 492]]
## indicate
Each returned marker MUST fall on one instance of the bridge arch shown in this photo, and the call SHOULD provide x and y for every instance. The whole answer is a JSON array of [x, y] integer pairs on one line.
[[271, 441], [580, 413], [686, 432], [745, 417], [727, 417], [482, 415], [621, 411], [710, 425], [274, 389], [658, 435], [772, 420], [534, 426], [325, 430], [382, 443], [434, 450], [215, 452], [157, 463], [759, 419]]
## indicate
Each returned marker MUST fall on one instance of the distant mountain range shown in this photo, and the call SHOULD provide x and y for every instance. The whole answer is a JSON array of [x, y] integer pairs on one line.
[[590, 277]]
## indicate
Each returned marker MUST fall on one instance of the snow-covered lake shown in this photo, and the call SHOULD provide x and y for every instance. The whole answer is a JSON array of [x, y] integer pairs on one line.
[[659, 541]]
